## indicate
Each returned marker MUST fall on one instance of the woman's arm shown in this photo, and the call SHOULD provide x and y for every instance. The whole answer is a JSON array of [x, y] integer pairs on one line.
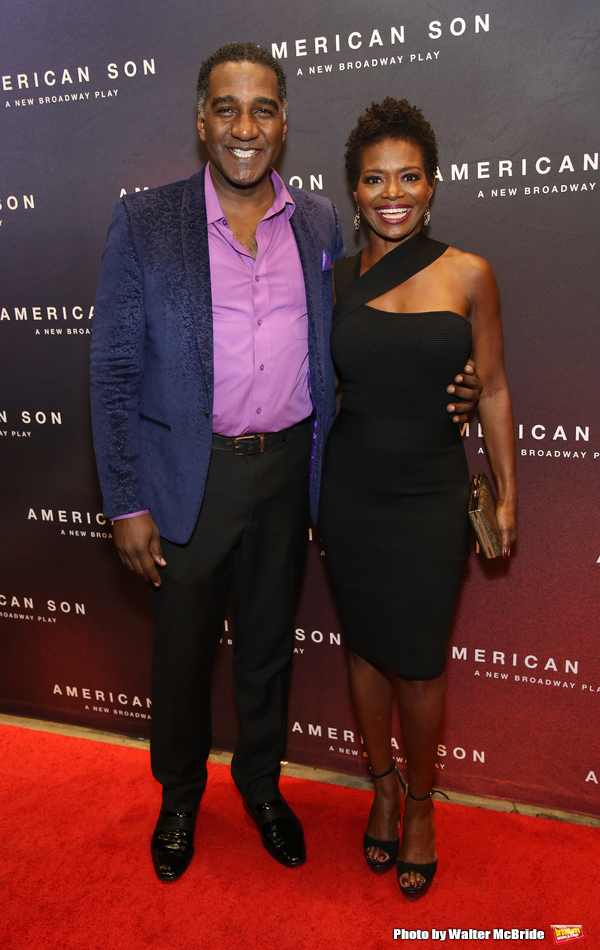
[[495, 407]]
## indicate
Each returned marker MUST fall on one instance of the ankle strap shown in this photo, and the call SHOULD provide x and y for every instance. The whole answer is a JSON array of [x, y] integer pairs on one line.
[[432, 791], [414, 797], [383, 774]]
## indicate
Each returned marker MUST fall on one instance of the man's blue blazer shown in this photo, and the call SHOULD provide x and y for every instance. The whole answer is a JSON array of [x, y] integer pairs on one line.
[[152, 352]]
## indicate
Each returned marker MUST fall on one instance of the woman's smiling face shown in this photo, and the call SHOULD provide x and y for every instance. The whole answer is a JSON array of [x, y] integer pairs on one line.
[[393, 191]]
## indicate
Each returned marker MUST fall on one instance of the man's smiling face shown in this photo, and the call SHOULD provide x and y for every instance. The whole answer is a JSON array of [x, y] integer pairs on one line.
[[243, 125]]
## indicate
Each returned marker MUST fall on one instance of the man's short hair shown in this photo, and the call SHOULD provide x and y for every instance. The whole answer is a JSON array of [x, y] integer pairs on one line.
[[239, 53]]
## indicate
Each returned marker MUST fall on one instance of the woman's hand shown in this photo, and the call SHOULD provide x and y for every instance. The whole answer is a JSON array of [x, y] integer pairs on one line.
[[506, 514], [495, 408]]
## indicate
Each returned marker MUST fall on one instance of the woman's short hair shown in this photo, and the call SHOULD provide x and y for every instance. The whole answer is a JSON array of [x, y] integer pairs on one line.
[[390, 119]]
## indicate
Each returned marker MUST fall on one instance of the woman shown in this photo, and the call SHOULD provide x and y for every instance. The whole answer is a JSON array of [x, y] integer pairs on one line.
[[393, 514]]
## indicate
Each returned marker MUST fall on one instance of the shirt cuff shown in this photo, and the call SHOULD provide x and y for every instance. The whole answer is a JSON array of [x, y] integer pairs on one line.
[[133, 514]]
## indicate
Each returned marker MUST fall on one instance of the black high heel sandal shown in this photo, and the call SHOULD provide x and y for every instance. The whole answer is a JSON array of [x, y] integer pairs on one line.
[[392, 847], [427, 871]]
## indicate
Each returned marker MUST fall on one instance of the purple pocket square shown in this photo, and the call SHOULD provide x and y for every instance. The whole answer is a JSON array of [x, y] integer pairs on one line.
[[327, 265]]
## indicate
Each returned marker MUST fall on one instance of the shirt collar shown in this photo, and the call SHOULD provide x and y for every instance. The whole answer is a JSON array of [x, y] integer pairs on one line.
[[283, 200]]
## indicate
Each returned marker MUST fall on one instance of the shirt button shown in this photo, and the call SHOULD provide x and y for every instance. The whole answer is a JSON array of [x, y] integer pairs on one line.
[[257, 277], [262, 365], [259, 323], [258, 411]]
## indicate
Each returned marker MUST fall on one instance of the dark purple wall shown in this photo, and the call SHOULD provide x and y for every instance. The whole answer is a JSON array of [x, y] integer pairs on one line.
[[100, 100]]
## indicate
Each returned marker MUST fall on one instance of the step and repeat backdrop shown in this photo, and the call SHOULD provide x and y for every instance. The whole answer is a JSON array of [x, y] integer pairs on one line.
[[97, 101]]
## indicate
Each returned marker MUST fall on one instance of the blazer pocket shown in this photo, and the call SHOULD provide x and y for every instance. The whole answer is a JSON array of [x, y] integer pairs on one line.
[[155, 422]]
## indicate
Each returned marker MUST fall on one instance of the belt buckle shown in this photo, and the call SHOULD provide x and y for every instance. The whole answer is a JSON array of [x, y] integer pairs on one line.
[[247, 439]]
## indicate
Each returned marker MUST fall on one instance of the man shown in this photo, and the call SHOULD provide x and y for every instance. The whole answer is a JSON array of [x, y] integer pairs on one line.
[[211, 325]]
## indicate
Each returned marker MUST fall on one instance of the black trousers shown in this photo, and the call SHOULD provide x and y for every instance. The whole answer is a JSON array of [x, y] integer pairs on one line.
[[250, 537]]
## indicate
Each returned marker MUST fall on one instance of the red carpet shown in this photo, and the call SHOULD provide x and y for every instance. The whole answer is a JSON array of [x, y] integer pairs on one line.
[[75, 823]]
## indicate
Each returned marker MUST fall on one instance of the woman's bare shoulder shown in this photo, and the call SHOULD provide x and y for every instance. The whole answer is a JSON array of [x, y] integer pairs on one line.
[[474, 271]]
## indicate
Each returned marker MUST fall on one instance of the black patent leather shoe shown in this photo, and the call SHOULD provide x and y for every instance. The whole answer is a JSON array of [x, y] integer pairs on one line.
[[280, 830], [173, 843]]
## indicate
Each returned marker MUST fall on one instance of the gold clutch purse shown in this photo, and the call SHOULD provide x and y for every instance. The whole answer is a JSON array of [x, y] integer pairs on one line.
[[482, 514]]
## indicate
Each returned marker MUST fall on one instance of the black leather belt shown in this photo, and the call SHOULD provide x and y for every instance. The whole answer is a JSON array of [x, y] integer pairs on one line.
[[255, 443]]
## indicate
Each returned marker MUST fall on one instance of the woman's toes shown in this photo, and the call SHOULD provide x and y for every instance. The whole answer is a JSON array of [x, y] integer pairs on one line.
[[377, 856], [411, 880]]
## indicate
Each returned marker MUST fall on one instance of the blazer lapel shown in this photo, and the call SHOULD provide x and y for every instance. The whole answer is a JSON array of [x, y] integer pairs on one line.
[[194, 239], [310, 259]]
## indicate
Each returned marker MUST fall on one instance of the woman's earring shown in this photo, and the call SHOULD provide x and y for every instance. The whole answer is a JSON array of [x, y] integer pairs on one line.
[[357, 220], [426, 217]]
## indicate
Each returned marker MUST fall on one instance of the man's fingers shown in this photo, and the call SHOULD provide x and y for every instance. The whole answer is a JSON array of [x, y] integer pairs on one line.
[[142, 564], [138, 543], [462, 398], [156, 552], [463, 386], [150, 572], [460, 410], [465, 389]]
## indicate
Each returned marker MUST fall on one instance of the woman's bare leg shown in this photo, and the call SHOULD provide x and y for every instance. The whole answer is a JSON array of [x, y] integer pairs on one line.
[[372, 691], [421, 709]]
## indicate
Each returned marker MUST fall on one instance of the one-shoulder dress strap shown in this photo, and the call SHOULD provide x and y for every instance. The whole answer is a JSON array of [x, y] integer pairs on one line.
[[406, 260]]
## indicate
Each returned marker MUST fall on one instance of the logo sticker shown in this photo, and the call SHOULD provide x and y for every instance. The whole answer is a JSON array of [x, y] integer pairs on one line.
[[564, 932]]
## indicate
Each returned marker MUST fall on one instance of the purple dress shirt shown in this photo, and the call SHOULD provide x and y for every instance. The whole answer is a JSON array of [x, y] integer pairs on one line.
[[260, 322]]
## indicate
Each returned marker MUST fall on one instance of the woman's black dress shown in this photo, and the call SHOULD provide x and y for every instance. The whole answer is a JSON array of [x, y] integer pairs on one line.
[[393, 510]]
